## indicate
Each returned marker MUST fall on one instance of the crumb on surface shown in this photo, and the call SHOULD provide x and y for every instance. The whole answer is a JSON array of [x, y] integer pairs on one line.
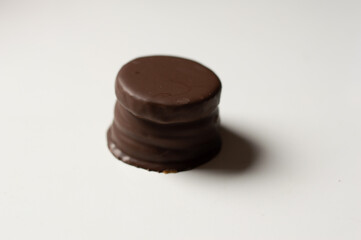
[[166, 171]]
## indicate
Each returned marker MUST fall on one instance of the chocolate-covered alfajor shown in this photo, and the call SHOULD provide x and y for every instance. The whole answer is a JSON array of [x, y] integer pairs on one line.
[[166, 114]]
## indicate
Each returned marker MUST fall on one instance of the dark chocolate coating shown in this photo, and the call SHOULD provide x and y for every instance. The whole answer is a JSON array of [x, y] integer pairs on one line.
[[166, 117], [167, 89]]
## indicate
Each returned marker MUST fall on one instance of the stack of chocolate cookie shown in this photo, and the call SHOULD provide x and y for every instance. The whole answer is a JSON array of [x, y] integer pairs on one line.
[[166, 114]]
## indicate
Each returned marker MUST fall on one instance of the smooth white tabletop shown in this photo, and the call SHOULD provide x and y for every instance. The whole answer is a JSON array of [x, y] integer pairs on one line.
[[290, 106]]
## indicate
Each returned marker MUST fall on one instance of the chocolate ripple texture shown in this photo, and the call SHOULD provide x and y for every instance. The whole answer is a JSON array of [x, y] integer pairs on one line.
[[166, 116]]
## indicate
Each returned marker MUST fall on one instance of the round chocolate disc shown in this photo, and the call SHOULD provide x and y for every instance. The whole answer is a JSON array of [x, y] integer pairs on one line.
[[166, 117], [167, 89]]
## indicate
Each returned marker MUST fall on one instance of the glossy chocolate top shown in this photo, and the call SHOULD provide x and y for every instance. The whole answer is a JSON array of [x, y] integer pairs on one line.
[[167, 89]]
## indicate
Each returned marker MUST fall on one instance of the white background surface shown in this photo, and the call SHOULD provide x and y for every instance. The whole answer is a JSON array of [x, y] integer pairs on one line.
[[291, 85]]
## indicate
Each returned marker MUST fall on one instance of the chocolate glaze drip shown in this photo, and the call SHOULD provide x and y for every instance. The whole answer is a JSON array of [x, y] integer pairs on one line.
[[166, 117]]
